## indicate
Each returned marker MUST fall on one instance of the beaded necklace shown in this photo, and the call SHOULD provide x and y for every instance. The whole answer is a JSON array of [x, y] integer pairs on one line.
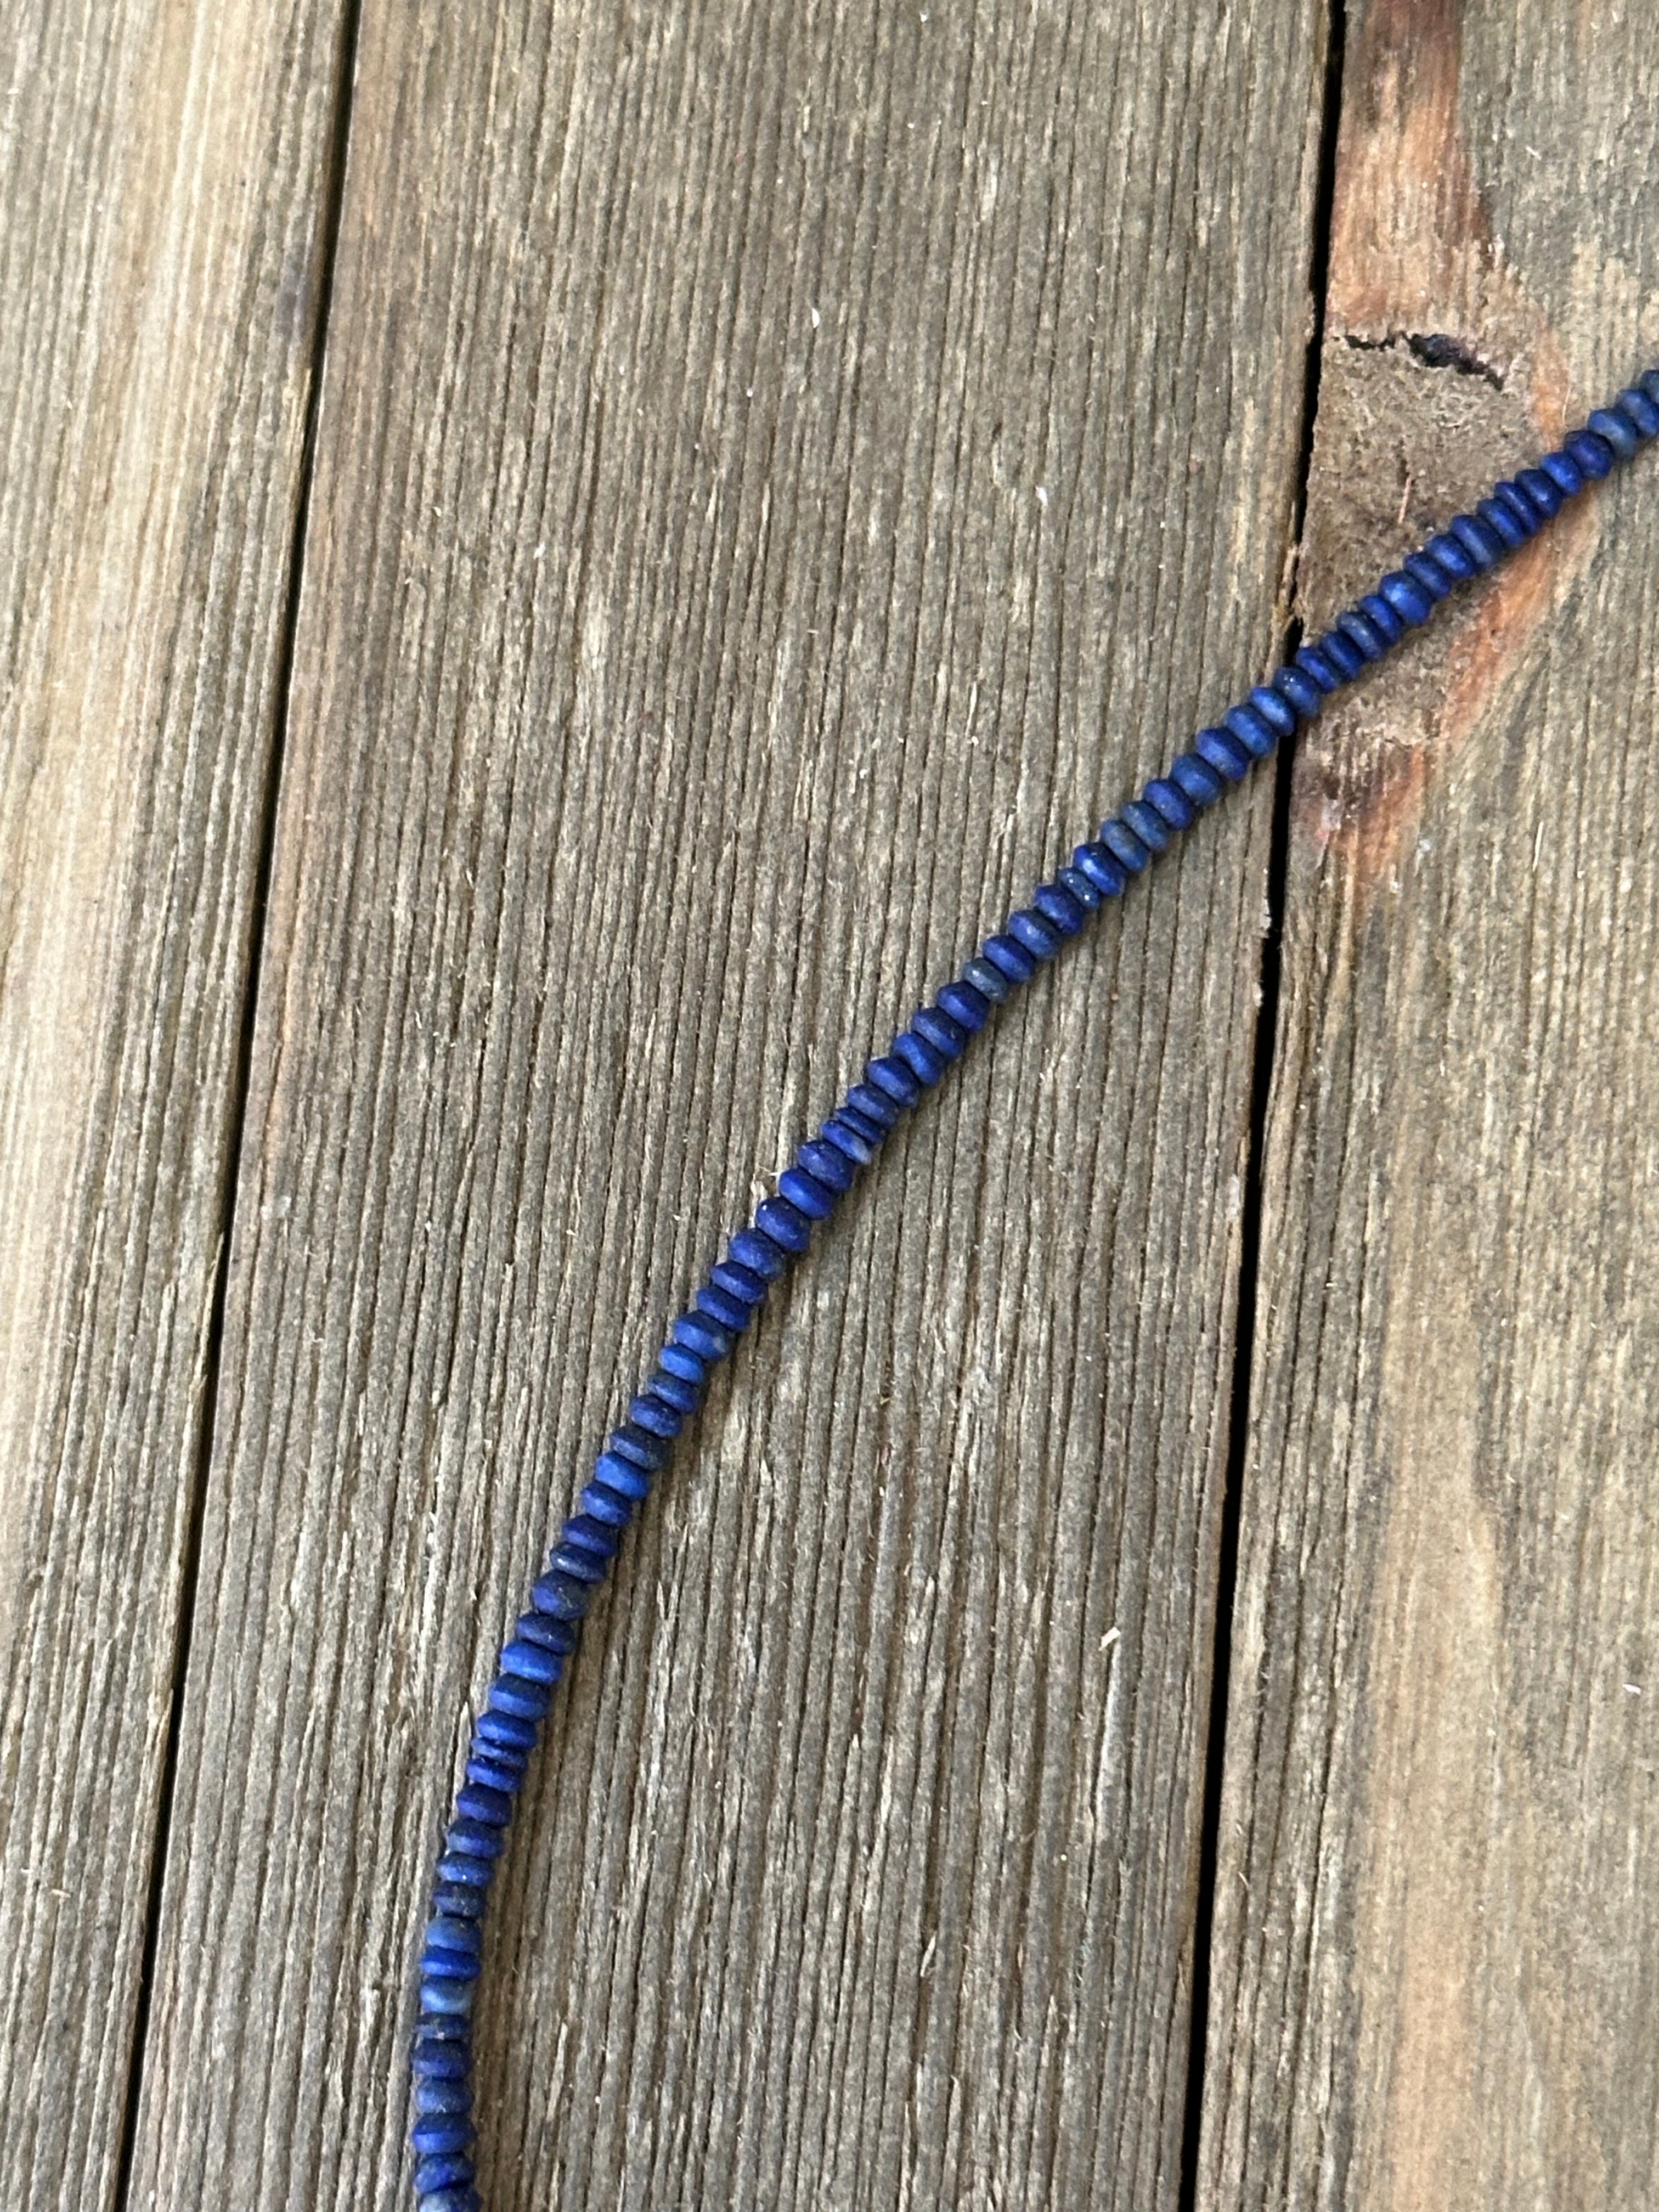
[[504, 1732]]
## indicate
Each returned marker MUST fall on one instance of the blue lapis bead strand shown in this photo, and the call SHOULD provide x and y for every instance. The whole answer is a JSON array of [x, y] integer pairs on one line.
[[824, 1170]]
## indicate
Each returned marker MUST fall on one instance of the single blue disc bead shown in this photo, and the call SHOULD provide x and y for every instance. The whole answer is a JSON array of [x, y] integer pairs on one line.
[[1035, 933], [827, 1164], [1147, 823], [1095, 861], [1221, 750], [1591, 452], [1124, 847], [784, 1223], [1009, 956], [919, 1057], [966, 1005], [1059, 908], [1407, 597]]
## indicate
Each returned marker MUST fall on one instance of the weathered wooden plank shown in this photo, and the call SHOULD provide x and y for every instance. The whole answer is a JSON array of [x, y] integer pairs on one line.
[[1436, 1950], [162, 172], [782, 471]]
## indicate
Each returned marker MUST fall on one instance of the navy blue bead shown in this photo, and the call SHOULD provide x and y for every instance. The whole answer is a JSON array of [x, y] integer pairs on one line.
[[1256, 736], [1407, 597], [638, 1444], [524, 1686], [582, 1566], [1304, 695], [1615, 431], [939, 1028], [1640, 409], [1166, 797], [436, 2060], [809, 1197], [1377, 610], [1313, 661], [457, 1899], [460, 1867], [1650, 384], [1563, 473], [446, 1993], [1095, 861], [889, 1074], [528, 1659], [871, 1131], [607, 1505], [1479, 539], [987, 978], [1010, 956], [1593, 453], [562, 1598], [438, 1965], [1501, 517], [1363, 634], [447, 2170], [434, 2095], [919, 1056], [784, 1223], [682, 1363], [1449, 553], [1432, 576], [480, 1840], [1124, 847], [1542, 490], [673, 1390], [501, 1703], [727, 1312], [966, 1003], [656, 1414], [1147, 823], [758, 1254], [451, 2200], [1200, 782], [1036, 935], [495, 1772], [594, 1532], [1087, 893], [1273, 710], [827, 1164], [493, 1807], [443, 2134], [700, 1332], [738, 1281], [447, 1933], [507, 1729], [1059, 908], [1224, 753], [556, 1635], [620, 1476], [444, 2027], [849, 1139]]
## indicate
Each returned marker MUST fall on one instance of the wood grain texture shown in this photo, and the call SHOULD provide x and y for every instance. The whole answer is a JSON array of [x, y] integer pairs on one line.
[[1436, 1958], [781, 472], [162, 174]]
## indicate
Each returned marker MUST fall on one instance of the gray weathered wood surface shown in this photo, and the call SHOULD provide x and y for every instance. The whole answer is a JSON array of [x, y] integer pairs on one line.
[[1436, 1952], [161, 190], [780, 473], [755, 455]]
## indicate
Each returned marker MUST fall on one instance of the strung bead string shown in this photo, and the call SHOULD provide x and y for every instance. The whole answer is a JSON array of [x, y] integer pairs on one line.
[[826, 1167]]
